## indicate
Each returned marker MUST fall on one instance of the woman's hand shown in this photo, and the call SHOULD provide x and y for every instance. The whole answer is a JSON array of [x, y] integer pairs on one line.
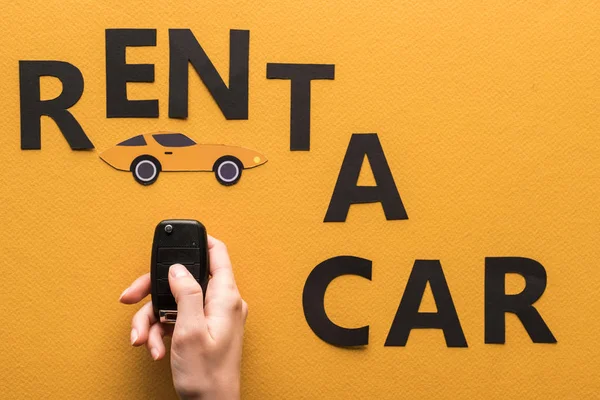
[[206, 348]]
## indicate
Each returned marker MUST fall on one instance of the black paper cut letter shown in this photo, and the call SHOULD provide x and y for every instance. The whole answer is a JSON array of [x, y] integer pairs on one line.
[[497, 302], [118, 73], [300, 75], [346, 192], [408, 316], [184, 49], [32, 108], [313, 300]]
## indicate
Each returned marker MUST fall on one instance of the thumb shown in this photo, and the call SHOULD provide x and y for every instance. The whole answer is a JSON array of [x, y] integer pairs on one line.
[[189, 298]]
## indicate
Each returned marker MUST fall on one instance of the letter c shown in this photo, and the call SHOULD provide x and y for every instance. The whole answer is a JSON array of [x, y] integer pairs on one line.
[[313, 300]]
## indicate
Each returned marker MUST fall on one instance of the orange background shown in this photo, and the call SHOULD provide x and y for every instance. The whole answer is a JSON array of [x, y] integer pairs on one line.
[[488, 115]]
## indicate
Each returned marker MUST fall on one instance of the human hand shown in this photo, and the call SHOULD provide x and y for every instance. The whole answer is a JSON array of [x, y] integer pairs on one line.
[[206, 346]]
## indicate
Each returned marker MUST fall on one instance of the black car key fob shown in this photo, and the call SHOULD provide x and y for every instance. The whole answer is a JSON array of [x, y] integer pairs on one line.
[[176, 241]]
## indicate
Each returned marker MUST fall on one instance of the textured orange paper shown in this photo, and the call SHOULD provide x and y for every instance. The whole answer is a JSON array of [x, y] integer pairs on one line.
[[488, 112]]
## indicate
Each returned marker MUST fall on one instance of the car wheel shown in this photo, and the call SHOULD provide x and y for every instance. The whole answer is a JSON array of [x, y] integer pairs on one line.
[[228, 170], [145, 170]]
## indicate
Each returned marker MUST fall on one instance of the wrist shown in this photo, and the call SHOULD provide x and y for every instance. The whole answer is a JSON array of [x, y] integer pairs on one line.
[[216, 394], [229, 392], [226, 390]]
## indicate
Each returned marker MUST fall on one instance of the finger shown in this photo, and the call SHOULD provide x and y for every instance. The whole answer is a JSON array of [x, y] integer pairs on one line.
[[139, 289], [140, 324], [223, 300], [155, 343], [188, 295], [220, 267]]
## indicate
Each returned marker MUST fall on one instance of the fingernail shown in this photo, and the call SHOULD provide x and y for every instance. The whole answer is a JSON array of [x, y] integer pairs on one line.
[[123, 294], [154, 353], [134, 336], [178, 271]]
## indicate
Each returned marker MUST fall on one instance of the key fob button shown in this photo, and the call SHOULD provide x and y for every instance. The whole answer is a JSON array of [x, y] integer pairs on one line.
[[171, 255], [163, 270], [194, 269], [163, 287], [167, 301]]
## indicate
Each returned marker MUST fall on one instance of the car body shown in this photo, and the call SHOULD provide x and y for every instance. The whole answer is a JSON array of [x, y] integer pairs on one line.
[[148, 154]]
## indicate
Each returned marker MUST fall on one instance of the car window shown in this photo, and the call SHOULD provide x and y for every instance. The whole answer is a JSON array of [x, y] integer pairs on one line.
[[134, 141], [173, 140]]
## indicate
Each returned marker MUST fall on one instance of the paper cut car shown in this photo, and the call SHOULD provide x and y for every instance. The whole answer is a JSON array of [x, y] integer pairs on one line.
[[148, 154]]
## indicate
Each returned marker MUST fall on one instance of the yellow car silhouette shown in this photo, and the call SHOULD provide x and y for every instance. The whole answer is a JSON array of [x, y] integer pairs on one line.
[[149, 154]]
